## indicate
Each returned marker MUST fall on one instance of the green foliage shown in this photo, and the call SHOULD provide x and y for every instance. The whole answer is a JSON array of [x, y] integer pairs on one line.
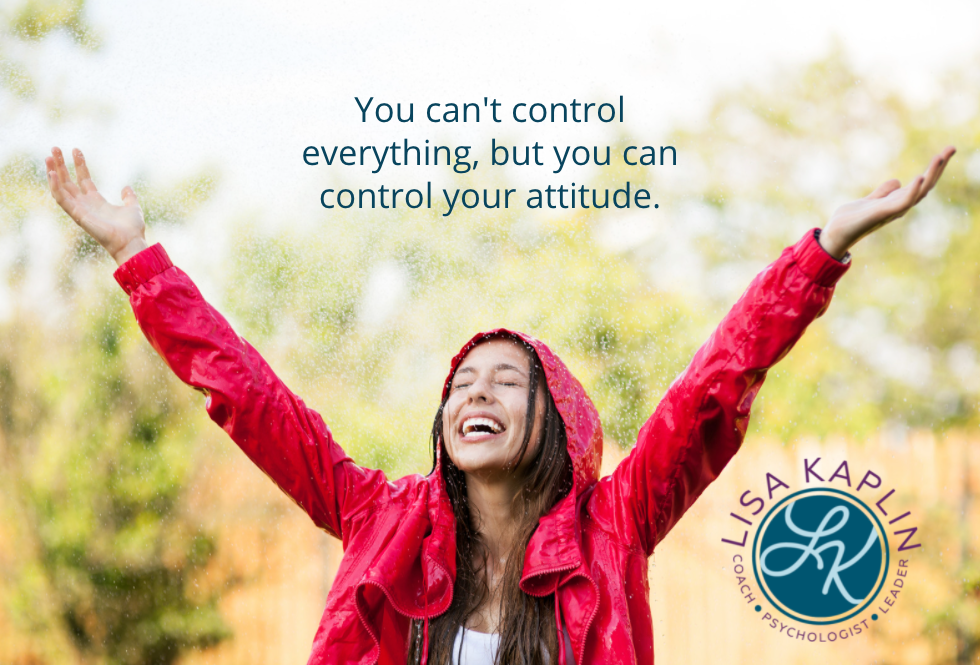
[[172, 204], [33, 21], [22, 192], [948, 599], [104, 445], [99, 443], [36, 19]]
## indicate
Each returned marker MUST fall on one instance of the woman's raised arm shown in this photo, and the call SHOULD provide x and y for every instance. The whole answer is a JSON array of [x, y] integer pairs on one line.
[[701, 420], [285, 438]]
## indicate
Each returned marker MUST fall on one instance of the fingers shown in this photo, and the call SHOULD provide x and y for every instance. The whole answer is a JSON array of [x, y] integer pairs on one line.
[[129, 196], [885, 189], [908, 198], [935, 170], [931, 176], [61, 194], [64, 178], [54, 182], [916, 191], [81, 171], [59, 162]]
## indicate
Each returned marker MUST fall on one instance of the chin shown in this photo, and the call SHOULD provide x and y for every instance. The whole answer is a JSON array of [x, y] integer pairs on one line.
[[478, 466], [468, 462]]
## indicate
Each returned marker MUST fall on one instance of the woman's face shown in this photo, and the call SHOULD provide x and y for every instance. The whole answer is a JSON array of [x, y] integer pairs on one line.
[[483, 422]]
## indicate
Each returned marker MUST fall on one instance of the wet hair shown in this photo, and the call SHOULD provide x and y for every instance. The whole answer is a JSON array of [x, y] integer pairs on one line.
[[528, 631]]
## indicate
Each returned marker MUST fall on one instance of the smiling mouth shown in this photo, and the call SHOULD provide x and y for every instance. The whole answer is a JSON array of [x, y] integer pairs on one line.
[[473, 427]]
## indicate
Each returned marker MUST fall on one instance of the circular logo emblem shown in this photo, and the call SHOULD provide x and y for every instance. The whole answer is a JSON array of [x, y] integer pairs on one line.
[[820, 556]]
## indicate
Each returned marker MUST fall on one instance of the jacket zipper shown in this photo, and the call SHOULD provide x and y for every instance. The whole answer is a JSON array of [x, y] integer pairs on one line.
[[367, 626], [561, 636], [595, 610]]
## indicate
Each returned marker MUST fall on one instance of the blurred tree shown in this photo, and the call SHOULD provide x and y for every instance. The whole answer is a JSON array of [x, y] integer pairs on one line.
[[99, 435], [97, 439], [22, 26]]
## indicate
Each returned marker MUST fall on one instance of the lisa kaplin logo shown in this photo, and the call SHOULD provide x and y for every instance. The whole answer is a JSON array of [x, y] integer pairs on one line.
[[816, 563]]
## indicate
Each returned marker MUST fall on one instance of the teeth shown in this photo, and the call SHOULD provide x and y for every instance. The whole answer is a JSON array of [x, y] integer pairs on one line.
[[470, 424]]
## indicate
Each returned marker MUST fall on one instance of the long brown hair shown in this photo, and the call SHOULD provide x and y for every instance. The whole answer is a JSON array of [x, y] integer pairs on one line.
[[528, 631]]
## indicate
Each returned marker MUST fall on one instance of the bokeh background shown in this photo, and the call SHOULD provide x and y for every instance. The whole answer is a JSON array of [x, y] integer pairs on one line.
[[133, 531]]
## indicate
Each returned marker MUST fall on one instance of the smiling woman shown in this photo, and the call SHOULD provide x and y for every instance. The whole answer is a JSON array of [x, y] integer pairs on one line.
[[512, 535], [500, 443]]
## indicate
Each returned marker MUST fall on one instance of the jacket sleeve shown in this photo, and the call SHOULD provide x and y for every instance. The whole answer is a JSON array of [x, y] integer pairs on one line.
[[701, 421], [285, 438]]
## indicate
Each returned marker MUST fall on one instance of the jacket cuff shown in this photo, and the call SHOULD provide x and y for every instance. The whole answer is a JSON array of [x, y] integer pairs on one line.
[[141, 267], [816, 263]]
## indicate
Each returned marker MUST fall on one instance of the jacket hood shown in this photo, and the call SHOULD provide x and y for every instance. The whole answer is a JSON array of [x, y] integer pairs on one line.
[[554, 553]]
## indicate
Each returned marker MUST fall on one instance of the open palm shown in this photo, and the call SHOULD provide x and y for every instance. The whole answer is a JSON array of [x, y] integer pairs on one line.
[[120, 229], [888, 202]]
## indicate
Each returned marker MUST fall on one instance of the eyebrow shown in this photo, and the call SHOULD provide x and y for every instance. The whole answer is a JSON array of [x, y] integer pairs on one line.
[[497, 368]]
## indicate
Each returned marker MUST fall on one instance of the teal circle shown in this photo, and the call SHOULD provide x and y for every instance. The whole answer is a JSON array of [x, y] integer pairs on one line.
[[874, 617], [796, 585], [758, 608]]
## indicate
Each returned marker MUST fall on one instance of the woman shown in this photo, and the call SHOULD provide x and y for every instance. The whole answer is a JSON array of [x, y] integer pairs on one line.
[[511, 550]]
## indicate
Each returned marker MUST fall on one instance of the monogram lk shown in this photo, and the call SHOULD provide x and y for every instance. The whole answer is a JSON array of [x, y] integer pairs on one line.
[[816, 562]]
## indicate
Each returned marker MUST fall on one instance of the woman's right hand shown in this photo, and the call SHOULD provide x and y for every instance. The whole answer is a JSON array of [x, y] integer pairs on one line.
[[120, 229]]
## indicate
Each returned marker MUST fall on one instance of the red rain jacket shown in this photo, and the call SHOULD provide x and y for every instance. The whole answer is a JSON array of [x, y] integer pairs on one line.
[[398, 536]]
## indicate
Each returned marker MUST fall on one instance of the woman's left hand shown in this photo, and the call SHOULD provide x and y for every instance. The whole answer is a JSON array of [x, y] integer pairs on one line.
[[856, 219]]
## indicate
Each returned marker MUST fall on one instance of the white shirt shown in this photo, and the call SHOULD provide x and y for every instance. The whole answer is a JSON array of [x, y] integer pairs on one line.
[[473, 648]]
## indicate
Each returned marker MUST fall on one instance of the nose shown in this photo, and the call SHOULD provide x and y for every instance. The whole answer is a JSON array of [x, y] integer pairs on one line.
[[479, 391]]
